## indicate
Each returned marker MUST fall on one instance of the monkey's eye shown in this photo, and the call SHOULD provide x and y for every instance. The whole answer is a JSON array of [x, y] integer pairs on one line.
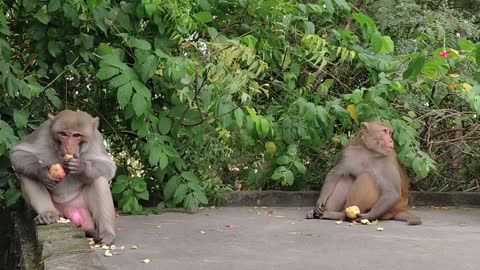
[[76, 135], [385, 131], [63, 134]]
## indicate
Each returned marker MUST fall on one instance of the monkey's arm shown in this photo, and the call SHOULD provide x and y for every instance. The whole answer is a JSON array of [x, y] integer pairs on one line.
[[28, 164], [91, 169], [335, 175]]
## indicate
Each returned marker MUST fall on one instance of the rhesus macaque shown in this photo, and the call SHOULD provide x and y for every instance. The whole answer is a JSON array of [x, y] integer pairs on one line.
[[71, 139], [369, 175]]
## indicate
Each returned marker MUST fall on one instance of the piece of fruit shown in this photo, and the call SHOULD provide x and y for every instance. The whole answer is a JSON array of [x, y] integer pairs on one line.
[[271, 147], [67, 157], [57, 171], [352, 212]]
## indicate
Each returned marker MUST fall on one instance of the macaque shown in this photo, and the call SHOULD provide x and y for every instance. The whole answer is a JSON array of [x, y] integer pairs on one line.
[[368, 175], [69, 141]]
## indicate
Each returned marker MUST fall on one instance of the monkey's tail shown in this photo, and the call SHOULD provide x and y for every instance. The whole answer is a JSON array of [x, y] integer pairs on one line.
[[410, 218]]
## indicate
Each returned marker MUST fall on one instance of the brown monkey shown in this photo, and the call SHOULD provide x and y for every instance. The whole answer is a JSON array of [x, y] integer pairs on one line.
[[83, 196], [368, 175]]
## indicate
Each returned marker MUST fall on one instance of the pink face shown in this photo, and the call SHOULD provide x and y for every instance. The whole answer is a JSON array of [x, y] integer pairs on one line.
[[70, 142], [386, 141]]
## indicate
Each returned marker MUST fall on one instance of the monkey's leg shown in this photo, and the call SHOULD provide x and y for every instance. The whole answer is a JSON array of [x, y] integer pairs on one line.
[[410, 218], [332, 207], [37, 196], [100, 203]]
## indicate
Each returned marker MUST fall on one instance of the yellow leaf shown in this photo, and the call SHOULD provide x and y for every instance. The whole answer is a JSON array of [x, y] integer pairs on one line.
[[454, 75], [270, 147], [452, 86], [455, 51], [353, 112], [159, 72], [467, 87]]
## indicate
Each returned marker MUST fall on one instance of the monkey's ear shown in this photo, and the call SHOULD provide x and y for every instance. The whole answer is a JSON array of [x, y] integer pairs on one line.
[[364, 127], [51, 116], [95, 122]]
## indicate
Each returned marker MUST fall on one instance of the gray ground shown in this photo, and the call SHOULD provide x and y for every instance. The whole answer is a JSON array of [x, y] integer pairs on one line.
[[280, 238]]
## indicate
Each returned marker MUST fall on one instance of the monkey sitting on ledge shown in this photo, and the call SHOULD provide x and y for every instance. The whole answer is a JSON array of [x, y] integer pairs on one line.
[[369, 175], [83, 196]]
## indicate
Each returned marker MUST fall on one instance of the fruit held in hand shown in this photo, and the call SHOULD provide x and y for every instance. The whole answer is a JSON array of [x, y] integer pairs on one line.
[[57, 171], [352, 212], [67, 157]]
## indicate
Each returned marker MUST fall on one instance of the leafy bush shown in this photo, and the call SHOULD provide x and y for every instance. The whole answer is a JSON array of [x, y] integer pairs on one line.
[[195, 96]]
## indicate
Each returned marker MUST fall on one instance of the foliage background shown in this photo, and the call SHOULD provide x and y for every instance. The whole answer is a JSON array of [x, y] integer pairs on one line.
[[197, 96]]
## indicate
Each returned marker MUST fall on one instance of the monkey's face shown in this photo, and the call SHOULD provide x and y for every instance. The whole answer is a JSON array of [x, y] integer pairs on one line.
[[70, 142], [385, 140], [378, 137]]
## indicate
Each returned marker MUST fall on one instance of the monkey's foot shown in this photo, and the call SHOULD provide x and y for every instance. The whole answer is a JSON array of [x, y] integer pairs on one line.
[[46, 218], [312, 214]]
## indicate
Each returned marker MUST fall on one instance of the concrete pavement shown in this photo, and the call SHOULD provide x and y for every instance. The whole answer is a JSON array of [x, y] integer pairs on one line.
[[280, 238]]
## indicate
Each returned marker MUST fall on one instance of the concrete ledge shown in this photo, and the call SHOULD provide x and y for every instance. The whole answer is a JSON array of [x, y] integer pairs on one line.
[[308, 198], [49, 247]]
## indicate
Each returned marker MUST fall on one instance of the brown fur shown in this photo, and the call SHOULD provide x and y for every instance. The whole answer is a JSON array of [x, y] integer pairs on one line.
[[368, 175]]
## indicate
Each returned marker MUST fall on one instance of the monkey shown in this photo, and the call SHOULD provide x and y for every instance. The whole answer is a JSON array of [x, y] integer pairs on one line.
[[369, 175], [84, 195]]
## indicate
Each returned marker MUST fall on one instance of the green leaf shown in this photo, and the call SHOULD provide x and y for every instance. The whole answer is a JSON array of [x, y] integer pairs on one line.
[[466, 45], [288, 178], [283, 160], [124, 94], [92, 4], [190, 203], [54, 5], [239, 117], [142, 89], [190, 176], [148, 68], [42, 15], [195, 186], [300, 167], [203, 17], [11, 196], [171, 187], [309, 28], [265, 126], [143, 195], [139, 44], [180, 193], [200, 196], [120, 184], [163, 161], [140, 185], [118, 81], [154, 156], [53, 98], [164, 125], [342, 4], [278, 173], [170, 151], [107, 72], [387, 44], [20, 117], [54, 48], [414, 67], [139, 104], [322, 114]]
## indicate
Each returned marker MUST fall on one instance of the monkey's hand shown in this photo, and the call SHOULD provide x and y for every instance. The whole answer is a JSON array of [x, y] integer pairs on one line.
[[46, 179], [76, 165], [367, 215]]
